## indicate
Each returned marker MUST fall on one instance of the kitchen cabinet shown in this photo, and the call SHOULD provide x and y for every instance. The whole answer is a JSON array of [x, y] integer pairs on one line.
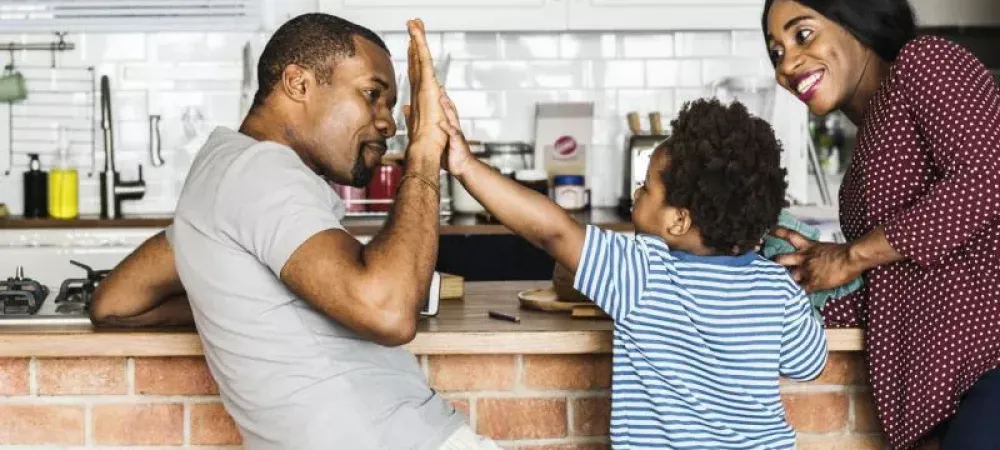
[[103, 16], [453, 15], [664, 14], [957, 13]]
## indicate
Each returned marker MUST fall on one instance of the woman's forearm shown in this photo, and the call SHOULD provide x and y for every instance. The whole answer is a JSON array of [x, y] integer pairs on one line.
[[873, 250]]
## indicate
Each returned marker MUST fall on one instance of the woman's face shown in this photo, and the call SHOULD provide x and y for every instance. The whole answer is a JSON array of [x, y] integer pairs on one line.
[[814, 58]]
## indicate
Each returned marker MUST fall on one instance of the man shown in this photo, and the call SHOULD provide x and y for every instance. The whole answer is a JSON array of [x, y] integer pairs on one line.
[[301, 323]]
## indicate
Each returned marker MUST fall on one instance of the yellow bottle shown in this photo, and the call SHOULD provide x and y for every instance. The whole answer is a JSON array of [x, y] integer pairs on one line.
[[64, 184]]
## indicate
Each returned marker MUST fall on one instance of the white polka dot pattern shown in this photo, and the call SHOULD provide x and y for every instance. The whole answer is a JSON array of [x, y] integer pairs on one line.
[[927, 167]]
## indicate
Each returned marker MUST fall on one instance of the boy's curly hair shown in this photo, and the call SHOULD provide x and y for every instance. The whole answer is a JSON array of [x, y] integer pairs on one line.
[[725, 168]]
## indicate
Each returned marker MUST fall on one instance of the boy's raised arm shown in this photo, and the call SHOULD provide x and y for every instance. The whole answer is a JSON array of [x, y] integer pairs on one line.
[[524, 211]]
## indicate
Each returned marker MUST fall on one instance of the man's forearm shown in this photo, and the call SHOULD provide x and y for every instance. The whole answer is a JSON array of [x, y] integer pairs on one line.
[[173, 311], [405, 250], [526, 212]]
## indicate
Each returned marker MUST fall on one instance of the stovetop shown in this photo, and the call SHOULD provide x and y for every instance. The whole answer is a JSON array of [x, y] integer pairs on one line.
[[25, 301]]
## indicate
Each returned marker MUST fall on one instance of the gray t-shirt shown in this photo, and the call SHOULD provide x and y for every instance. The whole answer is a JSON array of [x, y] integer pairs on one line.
[[291, 377]]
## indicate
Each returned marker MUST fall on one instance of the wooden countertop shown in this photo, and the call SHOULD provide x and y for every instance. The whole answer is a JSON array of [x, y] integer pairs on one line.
[[462, 327], [456, 224]]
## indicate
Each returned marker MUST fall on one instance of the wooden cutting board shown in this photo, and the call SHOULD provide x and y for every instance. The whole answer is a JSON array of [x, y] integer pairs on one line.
[[543, 300], [452, 287], [588, 312]]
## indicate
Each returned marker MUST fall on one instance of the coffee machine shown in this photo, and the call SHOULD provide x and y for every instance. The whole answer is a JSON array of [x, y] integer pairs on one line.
[[638, 151]]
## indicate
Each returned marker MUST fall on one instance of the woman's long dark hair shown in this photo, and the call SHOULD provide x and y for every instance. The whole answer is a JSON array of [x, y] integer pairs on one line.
[[884, 26]]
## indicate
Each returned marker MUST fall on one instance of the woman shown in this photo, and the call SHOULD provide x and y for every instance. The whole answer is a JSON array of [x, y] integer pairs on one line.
[[920, 206]]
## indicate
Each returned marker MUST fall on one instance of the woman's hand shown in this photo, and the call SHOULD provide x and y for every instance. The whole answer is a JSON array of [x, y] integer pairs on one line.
[[818, 266]]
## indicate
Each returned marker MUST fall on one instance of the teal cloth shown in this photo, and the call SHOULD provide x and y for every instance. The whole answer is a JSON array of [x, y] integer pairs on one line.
[[774, 246]]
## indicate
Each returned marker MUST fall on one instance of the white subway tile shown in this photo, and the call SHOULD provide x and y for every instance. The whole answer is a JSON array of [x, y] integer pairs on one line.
[[614, 74], [103, 47], [749, 44], [603, 99], [703, 43], [714, 69], [183, 47], [644, 101], [609, 131], [588, 45], [476, 104], [522, 104], [498, 75], [604, 174], [529, 46], [457, 77], [506, 129], [673, 73], [647, 45], [471, 45]]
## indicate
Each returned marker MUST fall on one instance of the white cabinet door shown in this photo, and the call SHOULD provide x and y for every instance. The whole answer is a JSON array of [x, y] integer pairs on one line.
[[453, 15], [932, 13], [665, 14]]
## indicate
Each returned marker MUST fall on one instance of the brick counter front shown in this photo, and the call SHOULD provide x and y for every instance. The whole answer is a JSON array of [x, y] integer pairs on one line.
[[541, 384], [527, 402]]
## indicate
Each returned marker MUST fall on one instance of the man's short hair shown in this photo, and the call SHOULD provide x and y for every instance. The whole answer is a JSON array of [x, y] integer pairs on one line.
[[313, 41]]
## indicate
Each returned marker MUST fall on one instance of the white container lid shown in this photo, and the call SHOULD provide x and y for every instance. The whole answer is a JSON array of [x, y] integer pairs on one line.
[[531, 175]]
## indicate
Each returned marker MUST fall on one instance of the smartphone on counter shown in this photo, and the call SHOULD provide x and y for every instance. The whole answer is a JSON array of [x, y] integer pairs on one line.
[[430, 308]]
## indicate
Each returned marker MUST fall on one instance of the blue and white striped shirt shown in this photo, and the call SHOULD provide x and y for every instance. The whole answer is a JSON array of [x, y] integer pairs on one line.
[[699, 343]]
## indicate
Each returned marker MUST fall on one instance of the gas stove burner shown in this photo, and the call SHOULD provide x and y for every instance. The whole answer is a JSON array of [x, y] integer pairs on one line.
[[75, 294], [20, 295]]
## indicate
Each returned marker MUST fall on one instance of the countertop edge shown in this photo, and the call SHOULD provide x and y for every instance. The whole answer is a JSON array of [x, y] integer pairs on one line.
[[85, 342]]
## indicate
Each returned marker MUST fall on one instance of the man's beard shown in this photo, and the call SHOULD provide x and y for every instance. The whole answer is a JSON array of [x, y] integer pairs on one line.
[[361, 175]]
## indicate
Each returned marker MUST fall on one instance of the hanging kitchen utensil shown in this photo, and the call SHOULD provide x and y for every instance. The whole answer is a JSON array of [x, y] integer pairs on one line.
[[247, 83], [155, 142]]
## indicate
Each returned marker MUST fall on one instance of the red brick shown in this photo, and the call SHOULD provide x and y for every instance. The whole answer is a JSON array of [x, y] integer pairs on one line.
[[461, 404], [591, 416], [174, 376], [521, 418], [564, 372], [138, 424], [212, 425], [81, 376], [842, 442], [472, 372], [13, 376], [865, 417], [41, 425], [816, 412]]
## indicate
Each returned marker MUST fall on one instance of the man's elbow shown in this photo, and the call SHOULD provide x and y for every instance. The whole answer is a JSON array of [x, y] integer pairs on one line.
[[393, 322], [394, 329]]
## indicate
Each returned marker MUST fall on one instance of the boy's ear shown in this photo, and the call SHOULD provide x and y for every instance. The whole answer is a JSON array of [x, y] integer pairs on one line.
[[677, 221]]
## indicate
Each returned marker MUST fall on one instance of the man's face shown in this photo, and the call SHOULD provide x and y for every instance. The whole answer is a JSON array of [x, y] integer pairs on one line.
[[349, 119]]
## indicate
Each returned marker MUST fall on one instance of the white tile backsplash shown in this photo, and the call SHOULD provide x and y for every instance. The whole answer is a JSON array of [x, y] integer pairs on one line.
[[496, 79], [643, 45]]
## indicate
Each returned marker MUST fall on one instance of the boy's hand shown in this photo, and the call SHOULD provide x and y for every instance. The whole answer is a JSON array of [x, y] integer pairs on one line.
[[458, 153]]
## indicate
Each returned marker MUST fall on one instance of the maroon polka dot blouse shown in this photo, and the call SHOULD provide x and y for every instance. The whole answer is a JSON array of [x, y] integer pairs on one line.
[[927, 167]]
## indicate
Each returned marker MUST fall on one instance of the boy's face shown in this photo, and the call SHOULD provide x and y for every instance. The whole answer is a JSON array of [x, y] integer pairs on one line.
[[650, 211]]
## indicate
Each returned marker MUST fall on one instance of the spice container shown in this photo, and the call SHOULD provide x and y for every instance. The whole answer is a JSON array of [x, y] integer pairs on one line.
[[569, 192]]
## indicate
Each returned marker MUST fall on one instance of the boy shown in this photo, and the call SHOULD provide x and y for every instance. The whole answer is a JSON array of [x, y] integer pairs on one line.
[[703, 325]]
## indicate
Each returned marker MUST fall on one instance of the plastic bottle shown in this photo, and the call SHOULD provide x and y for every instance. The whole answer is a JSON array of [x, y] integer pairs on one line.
[[35, 187], [63, 183]]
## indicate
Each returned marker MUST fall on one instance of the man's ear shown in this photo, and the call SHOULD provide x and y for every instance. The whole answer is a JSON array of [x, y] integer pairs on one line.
[[296, 82], [677, 221]]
